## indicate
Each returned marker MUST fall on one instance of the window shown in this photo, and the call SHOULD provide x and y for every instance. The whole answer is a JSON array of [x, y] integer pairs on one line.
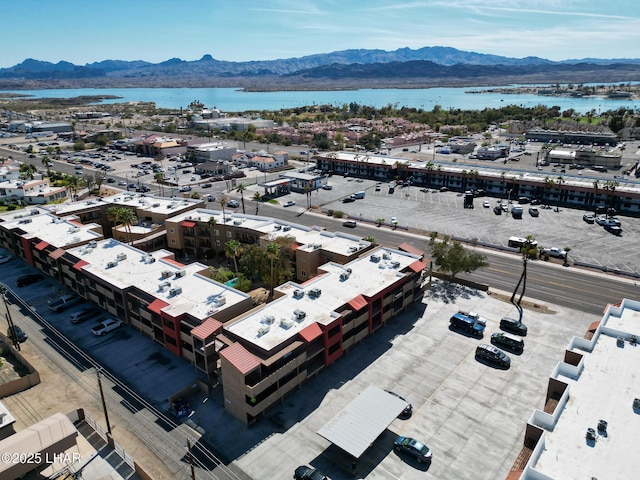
[[303, 273], [217, 243], [173, 241], [229, 234], [216, 232], [171, 230]]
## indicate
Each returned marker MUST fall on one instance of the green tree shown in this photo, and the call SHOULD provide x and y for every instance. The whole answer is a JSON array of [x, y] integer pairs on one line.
[[233, 249], [240, 188], [566, 256], [257, 198], [272, 252], [79, 146], [452, 257]]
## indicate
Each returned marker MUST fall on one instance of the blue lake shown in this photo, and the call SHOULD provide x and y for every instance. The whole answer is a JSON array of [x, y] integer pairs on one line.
[[237, 100]]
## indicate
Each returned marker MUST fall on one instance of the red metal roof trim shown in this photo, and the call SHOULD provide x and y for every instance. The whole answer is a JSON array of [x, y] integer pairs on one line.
[[79, 264], [240, 358], [75, 222], [206, 328], [41, 245], [407, 247], [358, 303], [57, 253], [157, 305], [594, 326], [188, 224], [417, 266], [173, 262], [310, 333]]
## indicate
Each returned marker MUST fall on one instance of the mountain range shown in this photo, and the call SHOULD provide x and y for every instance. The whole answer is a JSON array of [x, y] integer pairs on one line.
[[402, 68]]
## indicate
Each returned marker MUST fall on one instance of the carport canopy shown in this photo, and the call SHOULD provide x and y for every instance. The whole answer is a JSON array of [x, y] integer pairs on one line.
[[357, 426]]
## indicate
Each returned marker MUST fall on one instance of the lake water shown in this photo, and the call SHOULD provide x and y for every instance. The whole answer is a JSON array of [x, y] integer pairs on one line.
[[237, 100]]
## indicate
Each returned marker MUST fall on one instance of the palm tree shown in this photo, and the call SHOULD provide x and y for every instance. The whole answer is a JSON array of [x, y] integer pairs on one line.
[[212, 223], [240, 188], [610, 186], [272, 252], [257, 198], [526, 250], [380, 221], [596, 185], [233, 249], [548, 184], [222, 200], [566, 256], [128, 218]]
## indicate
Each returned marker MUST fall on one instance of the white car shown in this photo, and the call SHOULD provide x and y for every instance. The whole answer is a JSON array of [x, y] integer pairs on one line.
[[106, 326], [233, 204], [554, 252], [486, 204], [290, 203]]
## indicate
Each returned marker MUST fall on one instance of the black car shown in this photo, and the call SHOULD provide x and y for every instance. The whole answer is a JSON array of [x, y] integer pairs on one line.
[[28, 279], [207, 185], [16, 333], [308, 473], [510, 342], [493, 355], [348, 200], [408, 411], [514, 326], [413, 447], [497, 210]]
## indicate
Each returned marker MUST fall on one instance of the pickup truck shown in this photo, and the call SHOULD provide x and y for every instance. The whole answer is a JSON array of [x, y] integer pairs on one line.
[[468, 324], [62, 303], [106, 326]]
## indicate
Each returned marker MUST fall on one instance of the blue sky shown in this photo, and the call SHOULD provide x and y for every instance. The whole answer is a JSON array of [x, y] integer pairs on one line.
[[239, 30]]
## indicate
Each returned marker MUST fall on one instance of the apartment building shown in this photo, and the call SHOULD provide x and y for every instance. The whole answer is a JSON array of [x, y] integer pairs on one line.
[[270, 351]]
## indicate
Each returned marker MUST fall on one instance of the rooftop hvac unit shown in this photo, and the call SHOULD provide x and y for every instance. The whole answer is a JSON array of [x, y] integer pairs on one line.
[[286, 228], [386, 256], [74, 230], [112, 264], [26, 220], [344, 275], [163, 286], [395, 264], [175, 291], [262, 330], [149, 259], [166, 273], [268, 319], [299, 314], [180, 273], [277, 227], [92, 244], [34, 211], [353, 249], [298, 293], [121, 256], [237, 222], [155, 205], [221, 300], [375, 258], [315, 292], [286, 323]]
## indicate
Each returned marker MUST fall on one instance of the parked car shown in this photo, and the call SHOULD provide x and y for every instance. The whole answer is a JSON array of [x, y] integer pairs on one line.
[[233, 204], [349, 224], [601, 220], [16, 334], [486, 204], [497, 210], [289, 203], [186, 188], [534, 212], [536, 201], [615, 229], [510, 342], [106, 326], [308, 473], [587, 217], [63, 302], [348, 200], [413, 447], [408, 411], [514, 326], [493, 355], [84, 314], [554, 252], [28, 279], [327, 187], [207, 185]]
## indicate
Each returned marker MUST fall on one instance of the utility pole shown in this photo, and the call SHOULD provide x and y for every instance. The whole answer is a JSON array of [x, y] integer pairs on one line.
[[193, 473], [104, 404], [14, 337]]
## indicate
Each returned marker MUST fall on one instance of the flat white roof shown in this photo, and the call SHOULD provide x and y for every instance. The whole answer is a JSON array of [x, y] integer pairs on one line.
[[56, 231], [155, 273], [277, 321], [139, 201], [310, 238], [605, 390]]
